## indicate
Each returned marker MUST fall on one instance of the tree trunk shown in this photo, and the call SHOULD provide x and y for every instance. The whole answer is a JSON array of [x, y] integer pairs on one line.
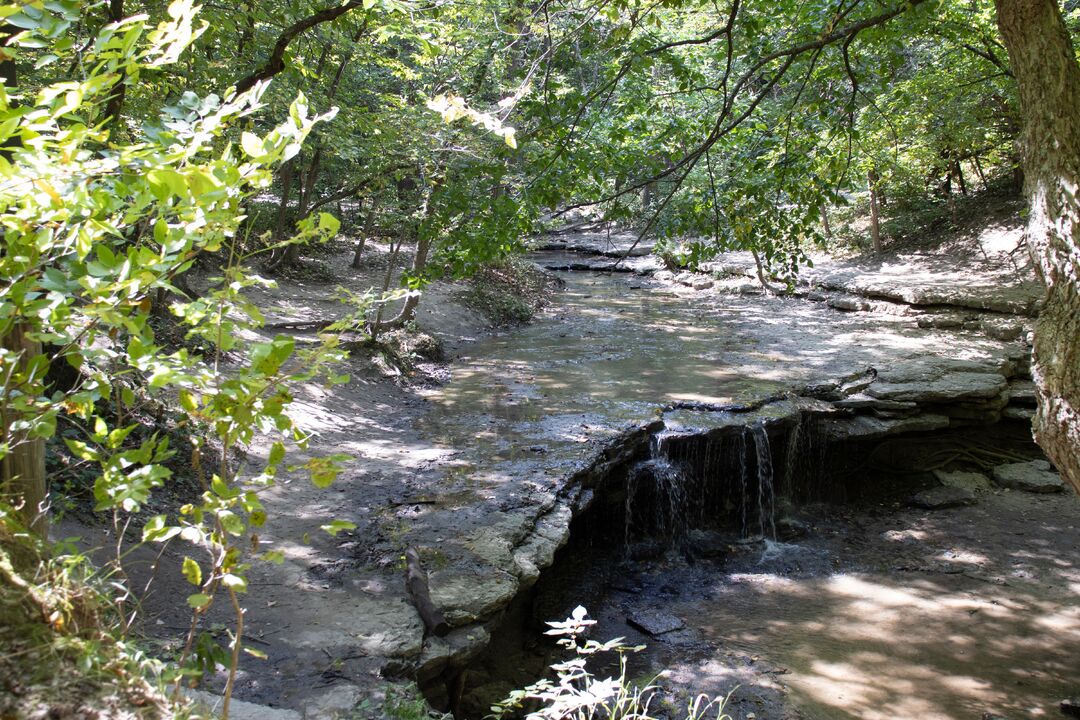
[[118, 93], [365, 233], [1048, 78], [875, 215], [22, 472], [283, 205], [980, 173], [825, 226], [24, 466], [961, 181]]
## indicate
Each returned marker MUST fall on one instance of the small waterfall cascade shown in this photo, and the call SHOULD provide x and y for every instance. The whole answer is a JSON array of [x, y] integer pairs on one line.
[[766, 492], [694, 480], [804, 460], [657, 496], [743, 479]]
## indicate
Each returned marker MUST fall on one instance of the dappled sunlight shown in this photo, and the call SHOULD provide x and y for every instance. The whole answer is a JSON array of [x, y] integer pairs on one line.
[[941, 644]]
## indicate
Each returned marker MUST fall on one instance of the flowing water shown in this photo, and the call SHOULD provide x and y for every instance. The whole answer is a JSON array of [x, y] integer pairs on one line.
[[880, 613]]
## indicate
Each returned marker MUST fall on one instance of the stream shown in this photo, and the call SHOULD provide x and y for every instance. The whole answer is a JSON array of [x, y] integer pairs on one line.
[[856, 606]]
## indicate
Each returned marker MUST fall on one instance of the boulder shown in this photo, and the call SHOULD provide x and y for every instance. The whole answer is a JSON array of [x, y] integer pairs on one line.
[[940, 498], [454, 651], [1035, 476], [707, 544], [466, 595], [1022, 392], [789, 528], [1023, 414], [1007, 330]]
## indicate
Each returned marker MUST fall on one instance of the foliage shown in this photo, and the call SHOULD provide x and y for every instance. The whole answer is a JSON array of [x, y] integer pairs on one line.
[[508, 292], [577, 693], [60, 648], [96, 233], [127, 156]]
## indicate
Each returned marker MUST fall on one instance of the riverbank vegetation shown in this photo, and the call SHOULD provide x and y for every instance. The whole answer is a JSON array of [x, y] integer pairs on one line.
[[158, 160]]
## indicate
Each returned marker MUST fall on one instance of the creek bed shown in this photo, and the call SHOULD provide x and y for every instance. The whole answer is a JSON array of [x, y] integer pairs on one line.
[[879, 610]]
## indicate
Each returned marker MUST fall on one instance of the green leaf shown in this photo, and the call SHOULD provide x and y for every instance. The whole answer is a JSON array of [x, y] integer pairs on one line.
[[277, 453], [167, 181], [192, 571], [231, 523], [329, 224], [188, 402], [336, 526], [155, 530], [253, 145], [234, 582], [198, 601]]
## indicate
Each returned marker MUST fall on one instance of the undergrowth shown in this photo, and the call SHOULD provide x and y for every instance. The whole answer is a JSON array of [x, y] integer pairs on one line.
[[509, 292], [60, 655]]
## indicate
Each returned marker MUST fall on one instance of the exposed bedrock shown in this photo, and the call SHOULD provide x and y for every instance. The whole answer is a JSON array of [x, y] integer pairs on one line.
[[812, 440]]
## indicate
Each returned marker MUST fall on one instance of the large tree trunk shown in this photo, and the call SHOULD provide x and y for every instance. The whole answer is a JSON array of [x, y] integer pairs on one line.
[[1049, 82], [22, 473]]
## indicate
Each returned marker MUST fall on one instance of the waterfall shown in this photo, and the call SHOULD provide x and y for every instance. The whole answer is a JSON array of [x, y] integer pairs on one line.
[[660, 486], [766, 499], [744, 494], [693, 481]]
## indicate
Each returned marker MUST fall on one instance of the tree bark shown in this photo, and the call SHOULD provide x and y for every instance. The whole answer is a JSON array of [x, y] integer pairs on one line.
[[23, 468], [1048, 78], [365, 233], [22, 472], [875, 213]]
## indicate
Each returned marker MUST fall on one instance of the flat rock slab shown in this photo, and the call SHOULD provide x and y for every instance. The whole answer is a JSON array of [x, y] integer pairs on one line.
[[974, 481], [864, 427], [1035, 476], [654, 622], [238, 709], [949, 388], [466, 595], [940, 498]]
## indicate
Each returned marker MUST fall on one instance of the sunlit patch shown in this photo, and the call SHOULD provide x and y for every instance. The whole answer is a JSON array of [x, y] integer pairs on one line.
[[904, 535], [962, 556]]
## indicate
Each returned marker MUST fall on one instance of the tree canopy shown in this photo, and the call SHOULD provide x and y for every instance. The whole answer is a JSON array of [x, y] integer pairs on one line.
[[140, 137]]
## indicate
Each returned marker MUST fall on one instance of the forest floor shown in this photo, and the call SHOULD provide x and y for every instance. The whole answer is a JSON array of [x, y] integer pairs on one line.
[[463, 455]]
